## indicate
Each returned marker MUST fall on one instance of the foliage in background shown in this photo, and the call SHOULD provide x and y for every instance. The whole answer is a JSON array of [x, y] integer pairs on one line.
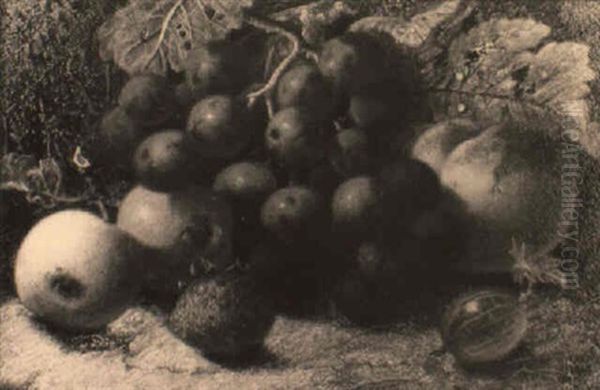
[[53, 77]]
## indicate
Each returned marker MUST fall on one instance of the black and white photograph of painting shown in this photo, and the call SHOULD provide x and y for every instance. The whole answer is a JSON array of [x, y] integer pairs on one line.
[[299, 194]]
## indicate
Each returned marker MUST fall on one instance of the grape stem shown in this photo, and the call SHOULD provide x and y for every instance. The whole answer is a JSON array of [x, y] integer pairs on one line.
[[274, 28]]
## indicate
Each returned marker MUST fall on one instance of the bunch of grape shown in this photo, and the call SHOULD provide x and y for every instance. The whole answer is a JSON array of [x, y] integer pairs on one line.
[[308, 193]]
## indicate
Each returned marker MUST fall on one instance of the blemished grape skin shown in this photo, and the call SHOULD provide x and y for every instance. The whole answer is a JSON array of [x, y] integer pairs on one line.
[[356, 206], [224, 317], [163, 161], [218, 126], [293, 213], [484, 326], [292, 138], [303, 85], [148, 98]]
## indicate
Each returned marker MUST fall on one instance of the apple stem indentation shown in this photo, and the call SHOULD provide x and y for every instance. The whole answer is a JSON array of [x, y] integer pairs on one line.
[[66, 286]]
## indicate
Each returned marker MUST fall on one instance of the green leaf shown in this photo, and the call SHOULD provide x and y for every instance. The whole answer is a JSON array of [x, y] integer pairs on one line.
[[493, 73], [156, 36], [411, 33]]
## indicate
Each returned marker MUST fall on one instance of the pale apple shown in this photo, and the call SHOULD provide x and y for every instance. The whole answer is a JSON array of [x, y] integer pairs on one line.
[[77, 272]]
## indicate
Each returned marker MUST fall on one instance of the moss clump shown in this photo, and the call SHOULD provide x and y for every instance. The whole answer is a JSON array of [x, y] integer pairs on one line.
[[53, 84]]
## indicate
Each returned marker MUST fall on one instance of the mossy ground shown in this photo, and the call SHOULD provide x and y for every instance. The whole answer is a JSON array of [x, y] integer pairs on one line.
[[562, 349]]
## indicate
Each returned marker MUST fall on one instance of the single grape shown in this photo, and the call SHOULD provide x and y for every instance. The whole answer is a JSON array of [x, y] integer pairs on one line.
[[294, 213], [218, 127], [356, 206], [350, 62], [245, 181], [148, 99], [304, 86], [350, 153], [118, 136], [163, 161], [246, 185], [292, 138]]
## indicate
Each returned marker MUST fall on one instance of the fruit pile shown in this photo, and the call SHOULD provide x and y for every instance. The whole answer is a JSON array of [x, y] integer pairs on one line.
[[305, 203]]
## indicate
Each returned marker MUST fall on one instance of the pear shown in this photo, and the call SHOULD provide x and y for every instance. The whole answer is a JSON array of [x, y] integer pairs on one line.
[[510, 184], [77, 272]]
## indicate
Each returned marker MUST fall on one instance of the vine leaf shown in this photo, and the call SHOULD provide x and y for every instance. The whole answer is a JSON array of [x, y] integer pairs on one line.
[[494, 73], [33, 177], [320, 20], [412, 33], [157, 35]]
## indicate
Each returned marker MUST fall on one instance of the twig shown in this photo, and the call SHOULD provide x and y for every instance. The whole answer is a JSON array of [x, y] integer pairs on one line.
[[64, 199], [469, 93], [273, 27]]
